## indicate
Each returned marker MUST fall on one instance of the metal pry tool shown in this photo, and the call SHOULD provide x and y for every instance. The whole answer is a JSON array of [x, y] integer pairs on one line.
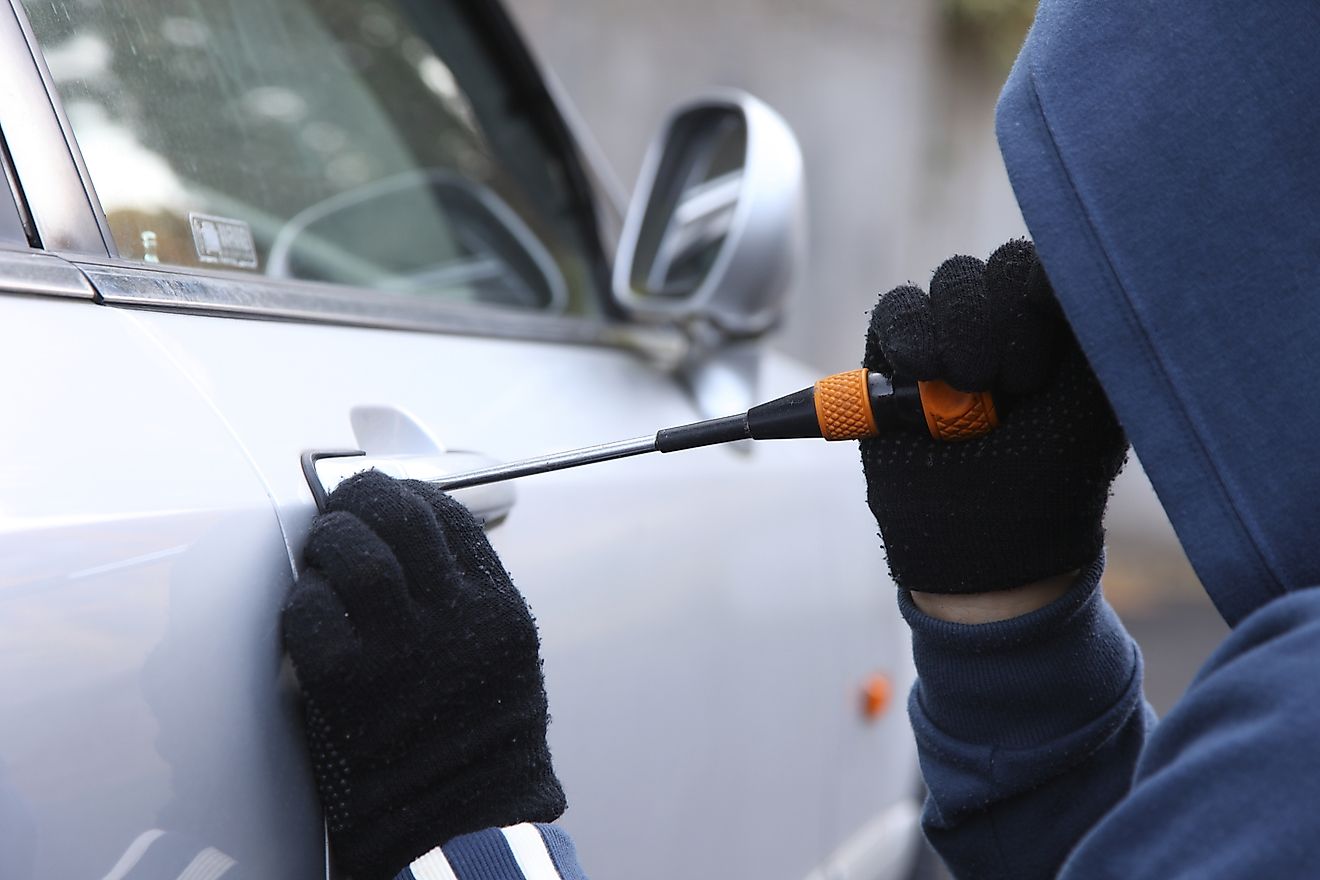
[[844, 406]]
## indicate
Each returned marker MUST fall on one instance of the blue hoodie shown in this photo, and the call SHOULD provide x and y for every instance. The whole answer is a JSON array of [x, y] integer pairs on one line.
[[1164, 155]]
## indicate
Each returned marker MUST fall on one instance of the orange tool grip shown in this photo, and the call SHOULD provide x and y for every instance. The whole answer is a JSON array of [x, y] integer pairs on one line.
[[843, 407], [956, 415]]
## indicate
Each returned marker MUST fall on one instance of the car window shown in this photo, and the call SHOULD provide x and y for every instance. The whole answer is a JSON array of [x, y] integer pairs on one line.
[[377, 144]]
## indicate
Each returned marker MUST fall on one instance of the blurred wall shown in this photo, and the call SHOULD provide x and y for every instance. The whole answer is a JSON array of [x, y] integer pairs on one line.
[[901, 165]]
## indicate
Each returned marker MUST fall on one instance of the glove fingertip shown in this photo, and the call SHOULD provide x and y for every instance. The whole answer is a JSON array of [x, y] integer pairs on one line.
[[1010, 265], [1027, 323], [447, 511], [360, 568], [903, 331], [314, 622], [954, 274], [873, 356], [961, 310], [438, 498], [328, 534], [465, 543], [361, 491]]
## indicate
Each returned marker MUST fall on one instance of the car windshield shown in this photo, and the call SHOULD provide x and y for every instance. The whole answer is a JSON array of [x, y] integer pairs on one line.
[[377, 144]]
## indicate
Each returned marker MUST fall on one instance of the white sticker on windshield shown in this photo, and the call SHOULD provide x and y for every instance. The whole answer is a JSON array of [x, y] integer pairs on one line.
[[223, 240]]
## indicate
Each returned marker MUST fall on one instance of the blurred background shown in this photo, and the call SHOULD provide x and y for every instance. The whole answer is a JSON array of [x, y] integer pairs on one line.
[[893, 103]]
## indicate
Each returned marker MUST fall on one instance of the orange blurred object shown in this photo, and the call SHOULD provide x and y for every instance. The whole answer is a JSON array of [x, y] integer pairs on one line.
[[876, 694]]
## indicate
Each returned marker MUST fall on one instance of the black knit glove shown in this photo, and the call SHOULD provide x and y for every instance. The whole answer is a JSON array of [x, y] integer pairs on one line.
[[1026, 501], [421, 677]]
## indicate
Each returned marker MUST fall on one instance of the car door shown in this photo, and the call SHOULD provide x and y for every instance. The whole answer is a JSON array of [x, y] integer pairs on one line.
[[142, 697], [362, 227]]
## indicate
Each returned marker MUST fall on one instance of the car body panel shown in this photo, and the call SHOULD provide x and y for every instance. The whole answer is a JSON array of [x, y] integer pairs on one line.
[[143, 685]]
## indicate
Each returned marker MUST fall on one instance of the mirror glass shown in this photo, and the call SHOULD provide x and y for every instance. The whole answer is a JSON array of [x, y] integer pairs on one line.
[[691, 210]]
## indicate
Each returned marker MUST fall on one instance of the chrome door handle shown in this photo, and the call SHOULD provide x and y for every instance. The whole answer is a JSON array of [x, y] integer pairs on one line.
[[490, 504]]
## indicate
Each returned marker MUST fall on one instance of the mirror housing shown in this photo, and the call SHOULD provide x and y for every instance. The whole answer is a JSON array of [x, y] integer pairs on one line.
[[715, 231]]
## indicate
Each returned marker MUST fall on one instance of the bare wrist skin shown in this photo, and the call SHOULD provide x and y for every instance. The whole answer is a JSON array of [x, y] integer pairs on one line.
[[973, 608]]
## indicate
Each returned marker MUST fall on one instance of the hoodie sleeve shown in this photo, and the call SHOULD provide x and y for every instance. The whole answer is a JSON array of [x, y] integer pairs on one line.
[[1029, 730], [1227, 787], [518, 852]]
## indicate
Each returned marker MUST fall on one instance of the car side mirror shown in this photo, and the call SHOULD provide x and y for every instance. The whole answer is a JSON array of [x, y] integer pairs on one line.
[[715, 230]]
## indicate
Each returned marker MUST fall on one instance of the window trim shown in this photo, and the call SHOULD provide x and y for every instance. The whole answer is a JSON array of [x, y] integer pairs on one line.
[[234, 294], [71, 224], [36, 273], [492, 21]]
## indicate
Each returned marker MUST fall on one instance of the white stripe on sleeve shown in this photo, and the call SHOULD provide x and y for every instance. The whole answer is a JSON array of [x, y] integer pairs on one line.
[[209, 864], [133, 854], [529, 852], [432, 866]]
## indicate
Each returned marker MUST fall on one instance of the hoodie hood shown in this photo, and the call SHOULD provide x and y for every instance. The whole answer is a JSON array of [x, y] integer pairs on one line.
[[1166, 157]]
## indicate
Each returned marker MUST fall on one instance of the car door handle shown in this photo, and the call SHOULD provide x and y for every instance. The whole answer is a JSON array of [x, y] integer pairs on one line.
[[326, 469]]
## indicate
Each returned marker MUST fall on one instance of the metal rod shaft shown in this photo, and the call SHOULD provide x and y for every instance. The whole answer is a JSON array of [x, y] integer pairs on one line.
[[546, 463]]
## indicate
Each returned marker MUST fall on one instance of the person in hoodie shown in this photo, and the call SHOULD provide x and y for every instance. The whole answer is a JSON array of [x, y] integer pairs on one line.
[[1163, 158]]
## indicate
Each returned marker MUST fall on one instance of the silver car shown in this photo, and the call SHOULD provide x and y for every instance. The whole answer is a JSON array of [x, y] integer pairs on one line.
[[250, 247]]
